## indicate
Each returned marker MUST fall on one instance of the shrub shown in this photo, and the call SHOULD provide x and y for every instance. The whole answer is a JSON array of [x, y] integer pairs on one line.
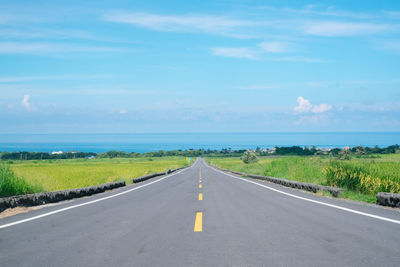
[[11, 185], [344, 155], [249, 157]]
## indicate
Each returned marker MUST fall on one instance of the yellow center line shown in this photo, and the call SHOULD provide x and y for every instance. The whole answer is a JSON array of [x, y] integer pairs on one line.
[[200, 196], [198, 224], [200, 186]]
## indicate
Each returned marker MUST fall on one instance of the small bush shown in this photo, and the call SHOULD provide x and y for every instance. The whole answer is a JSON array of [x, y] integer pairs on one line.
[[11, 185], [344, 155], [249, 157]]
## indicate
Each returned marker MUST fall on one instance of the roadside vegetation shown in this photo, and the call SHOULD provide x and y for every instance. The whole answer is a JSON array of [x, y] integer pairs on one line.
[[362, 176], [11, 184], [21, 177]]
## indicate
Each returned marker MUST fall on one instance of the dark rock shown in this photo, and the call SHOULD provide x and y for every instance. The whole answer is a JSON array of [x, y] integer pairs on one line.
[[388, 199], [56, 196]]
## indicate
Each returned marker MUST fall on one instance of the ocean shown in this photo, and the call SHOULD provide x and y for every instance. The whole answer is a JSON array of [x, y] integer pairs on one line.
[[145, 142]]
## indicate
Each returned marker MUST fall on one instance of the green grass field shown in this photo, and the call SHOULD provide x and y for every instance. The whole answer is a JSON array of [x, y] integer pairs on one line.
[[51, 175], [361, 178]]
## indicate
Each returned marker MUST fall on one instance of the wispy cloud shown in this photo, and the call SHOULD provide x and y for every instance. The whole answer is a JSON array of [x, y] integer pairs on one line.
[[329, 11], [336, 28], [8, 18], [46, 48], [240, 52], [392, 14], [180, 23], [261, 87], [16, 79], [300, 59], [276, 47], [390, 45]]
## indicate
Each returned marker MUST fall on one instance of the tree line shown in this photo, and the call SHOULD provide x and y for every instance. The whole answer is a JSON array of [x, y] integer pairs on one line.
[[226, 152]]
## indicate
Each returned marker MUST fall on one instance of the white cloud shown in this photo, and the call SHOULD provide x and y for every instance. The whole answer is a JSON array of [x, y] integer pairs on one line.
[[234, 52], [123, 111], [335, 28], [179, 23], [25, 102], [275, 47], [303, 105], [321, 108]]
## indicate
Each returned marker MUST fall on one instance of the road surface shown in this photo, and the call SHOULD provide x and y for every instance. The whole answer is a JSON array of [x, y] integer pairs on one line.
[[203, 217]]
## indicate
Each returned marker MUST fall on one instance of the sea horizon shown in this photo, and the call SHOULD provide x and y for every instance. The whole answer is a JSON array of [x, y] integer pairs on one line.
[[146, 142]]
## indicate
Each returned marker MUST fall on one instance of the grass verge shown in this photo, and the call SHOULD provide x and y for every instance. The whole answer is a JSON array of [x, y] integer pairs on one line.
[[11, 184], [54, 175], [361, 177]]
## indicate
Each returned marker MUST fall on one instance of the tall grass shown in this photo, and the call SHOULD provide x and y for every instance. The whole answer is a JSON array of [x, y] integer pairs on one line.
[[365, 177], [11, 184], [361, 177], [74, 173], [303, 169]]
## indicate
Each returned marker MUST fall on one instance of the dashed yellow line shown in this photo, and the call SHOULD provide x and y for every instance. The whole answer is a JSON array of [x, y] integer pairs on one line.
[[200, 186], [200, 196], [198, 224]]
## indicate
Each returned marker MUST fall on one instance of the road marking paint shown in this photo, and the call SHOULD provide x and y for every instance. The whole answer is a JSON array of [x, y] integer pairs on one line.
[[86, 203], [315, 201], [198, 224], [200, 186], [200, 196]]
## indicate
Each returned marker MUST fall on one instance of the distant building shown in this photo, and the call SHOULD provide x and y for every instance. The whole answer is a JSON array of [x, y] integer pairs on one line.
[[325, 149], [346, 148], [272, 150], [91, 157], [57, 152]]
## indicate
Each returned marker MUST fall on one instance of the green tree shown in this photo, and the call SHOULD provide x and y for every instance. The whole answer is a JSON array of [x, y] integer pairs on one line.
[[249, 157]]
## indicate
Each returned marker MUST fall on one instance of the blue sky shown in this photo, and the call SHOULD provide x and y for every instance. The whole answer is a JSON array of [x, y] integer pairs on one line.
[[199, 66]]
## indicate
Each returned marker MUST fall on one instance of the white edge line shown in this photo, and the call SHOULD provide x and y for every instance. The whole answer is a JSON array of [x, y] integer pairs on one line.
[[86, 203], [314, 201]]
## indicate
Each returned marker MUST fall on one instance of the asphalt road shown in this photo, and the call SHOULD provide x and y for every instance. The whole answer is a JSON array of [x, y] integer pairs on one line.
[[163, 222]]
